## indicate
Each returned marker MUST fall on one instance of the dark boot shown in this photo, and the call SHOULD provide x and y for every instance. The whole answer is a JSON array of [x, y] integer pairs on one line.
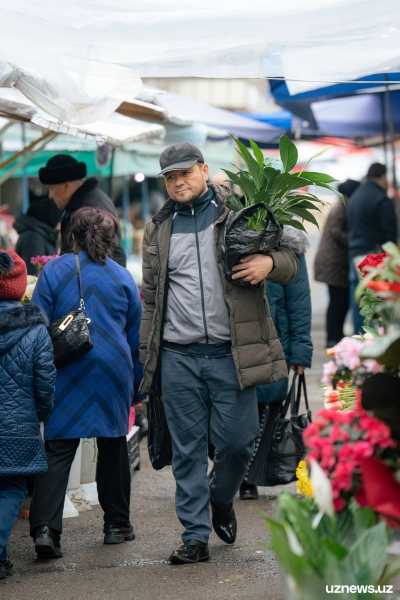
[[224, 523], [6, 569], [248, 491], [192, 551], [117, 534], [47, 543]]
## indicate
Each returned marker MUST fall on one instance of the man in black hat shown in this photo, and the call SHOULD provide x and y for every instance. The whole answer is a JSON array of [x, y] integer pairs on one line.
[[64, 176]]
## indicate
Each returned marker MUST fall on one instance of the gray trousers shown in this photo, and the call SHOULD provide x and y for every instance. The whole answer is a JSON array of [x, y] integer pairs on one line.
[[201, 395]]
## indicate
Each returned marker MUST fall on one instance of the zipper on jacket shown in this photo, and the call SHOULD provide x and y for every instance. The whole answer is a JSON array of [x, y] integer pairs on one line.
[[201, 282]]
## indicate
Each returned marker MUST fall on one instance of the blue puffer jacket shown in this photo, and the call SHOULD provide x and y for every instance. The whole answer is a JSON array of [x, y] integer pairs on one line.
[[27, 383], [290, 306]]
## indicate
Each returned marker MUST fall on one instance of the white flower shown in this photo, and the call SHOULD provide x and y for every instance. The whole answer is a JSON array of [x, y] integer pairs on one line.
[[294, 543], [322, 490]]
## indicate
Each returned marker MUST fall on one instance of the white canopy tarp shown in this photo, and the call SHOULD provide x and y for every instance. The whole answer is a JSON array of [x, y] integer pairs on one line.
[[78, 60], [115, 130]]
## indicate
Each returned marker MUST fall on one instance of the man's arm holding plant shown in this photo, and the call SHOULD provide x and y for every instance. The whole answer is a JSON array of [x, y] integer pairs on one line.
[[280, 266]]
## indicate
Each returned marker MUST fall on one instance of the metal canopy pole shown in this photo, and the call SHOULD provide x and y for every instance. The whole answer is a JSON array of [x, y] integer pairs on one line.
[[383, 117], [392, 135]]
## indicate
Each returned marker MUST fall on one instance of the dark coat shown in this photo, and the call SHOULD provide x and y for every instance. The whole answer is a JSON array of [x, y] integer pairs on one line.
[[94, 393], [89, 194], [35, 239], [290, 306], [256, 349], [332, 260], [371, 220], [27, 381]]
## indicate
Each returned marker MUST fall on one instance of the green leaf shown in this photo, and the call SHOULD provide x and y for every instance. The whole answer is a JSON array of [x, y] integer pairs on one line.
[[235, 203], [234, 177], [335, 548], [292, 563], [364, 518], [316, 178], [370, 550], [257, 153], [385, 349], [371, 331], [305, 215], [288, 152], [293, 223], [391, 571]]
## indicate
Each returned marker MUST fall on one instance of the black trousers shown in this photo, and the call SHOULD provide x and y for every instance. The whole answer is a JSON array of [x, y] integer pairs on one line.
[[113, 482], [339, 302]]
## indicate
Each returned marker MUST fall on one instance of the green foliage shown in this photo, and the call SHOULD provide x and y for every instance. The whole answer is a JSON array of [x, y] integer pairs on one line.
[[260, 181], [349, 549]]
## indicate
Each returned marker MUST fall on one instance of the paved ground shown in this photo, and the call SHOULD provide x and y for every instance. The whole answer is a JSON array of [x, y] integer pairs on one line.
[[138, 570]]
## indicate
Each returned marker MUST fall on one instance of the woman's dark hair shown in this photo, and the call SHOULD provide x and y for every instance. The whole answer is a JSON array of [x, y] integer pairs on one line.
[[95, 231]]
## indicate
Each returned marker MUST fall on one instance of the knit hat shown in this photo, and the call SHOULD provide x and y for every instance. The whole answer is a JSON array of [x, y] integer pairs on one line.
[[13, 276], [46, 211], [62, 168]]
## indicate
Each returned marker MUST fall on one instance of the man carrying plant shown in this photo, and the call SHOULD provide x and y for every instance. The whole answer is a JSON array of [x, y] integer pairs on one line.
[[206, 343]]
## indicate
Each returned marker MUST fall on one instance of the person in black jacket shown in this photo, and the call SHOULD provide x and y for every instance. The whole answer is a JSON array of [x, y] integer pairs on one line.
[[371, 222], [64, 176], [37, 232]]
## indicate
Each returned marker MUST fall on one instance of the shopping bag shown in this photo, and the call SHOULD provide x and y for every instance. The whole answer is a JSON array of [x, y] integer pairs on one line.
[[287, 448], [238, 241], [159, 438]]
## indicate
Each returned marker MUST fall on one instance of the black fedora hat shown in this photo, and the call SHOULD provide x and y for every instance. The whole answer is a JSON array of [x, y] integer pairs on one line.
[[62, 168]]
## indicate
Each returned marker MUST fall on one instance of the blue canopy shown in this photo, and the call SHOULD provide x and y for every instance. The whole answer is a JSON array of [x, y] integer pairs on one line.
[[344, 110]]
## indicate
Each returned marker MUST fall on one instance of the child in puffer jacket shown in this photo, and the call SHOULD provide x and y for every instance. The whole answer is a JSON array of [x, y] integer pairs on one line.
[[27, 382]]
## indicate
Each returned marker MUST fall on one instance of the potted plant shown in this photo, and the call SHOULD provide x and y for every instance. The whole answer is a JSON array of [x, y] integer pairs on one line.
[[270, 198]]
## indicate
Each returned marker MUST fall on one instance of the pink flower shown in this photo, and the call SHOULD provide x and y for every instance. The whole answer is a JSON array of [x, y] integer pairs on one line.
[[347, 353], [372, 366], [339, 504], [329, 369]]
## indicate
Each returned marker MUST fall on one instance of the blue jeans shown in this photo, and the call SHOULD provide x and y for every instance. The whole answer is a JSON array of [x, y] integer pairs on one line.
[[199, 395], [13, 491], [358, 320]]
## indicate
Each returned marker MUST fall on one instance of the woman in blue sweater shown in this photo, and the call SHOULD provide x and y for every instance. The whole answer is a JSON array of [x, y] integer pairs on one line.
[[290, 307], [93, 393]]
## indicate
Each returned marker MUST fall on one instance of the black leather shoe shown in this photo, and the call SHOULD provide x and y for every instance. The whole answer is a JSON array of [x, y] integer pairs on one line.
[[116, 534], [192, 551], [224, 523], [47, 543], [248, 491], [6, 569]]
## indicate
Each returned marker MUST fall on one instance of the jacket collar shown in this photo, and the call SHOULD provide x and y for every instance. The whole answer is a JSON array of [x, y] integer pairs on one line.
[[27, 223], [13, 316], [78, 197], [221, 193]]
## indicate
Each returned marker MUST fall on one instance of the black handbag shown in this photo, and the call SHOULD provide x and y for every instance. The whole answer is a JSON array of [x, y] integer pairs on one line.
[[70, 333], [287, 448], [158, 438]]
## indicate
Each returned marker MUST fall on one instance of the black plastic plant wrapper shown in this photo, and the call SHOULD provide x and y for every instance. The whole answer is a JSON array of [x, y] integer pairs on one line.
[[159, 438], [238, 241]]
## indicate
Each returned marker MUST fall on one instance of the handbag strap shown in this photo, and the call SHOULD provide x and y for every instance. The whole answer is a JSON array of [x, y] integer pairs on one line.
[[296, 405], [78, 273], [290, 398]]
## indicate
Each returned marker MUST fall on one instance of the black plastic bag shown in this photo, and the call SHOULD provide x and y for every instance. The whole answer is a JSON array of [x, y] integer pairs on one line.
[[287, 448], [159, 438], [238, 241]]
